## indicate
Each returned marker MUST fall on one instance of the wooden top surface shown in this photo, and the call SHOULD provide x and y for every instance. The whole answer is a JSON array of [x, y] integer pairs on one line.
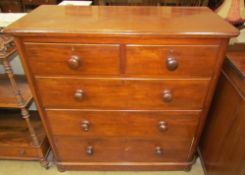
[[52, 20]]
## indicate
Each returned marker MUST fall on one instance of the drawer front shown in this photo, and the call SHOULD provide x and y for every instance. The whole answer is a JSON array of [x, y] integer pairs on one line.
[[78, 149], [121, 94], [73, 59], [15, 152], [171, 61], [122, 124]]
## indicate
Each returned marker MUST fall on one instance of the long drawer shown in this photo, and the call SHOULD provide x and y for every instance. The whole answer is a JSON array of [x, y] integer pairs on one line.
[[173, 61], [148, 124], [78, 149], [73, 59], [121, 94]]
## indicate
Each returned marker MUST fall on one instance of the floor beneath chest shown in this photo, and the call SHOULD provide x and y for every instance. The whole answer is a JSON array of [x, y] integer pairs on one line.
[[31, 168]]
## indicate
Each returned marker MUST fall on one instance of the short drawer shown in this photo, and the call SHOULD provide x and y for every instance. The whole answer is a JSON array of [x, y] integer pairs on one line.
[[122, 124], [73, 59], [78, 149], [121, 94], [15, 152], [183, 61]]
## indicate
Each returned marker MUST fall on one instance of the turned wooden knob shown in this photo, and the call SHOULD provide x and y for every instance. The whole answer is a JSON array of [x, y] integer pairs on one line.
[[167, 95], [171, 64], [79, 94], [85, 125], [163, 126], [159, 150], [74, 62], [89, 150]]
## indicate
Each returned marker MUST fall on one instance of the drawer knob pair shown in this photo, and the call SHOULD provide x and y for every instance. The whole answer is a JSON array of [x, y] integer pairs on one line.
[[159, 150], [171, 64], [74, 62], [85, 125], [167, 96], [163, 126], [90, 150]]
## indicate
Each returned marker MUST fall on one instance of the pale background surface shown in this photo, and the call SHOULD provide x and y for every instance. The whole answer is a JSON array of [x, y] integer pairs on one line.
[[33, 168]]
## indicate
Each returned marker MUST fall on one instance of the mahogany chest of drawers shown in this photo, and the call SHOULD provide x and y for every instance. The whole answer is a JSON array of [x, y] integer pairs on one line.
[[122, 88]]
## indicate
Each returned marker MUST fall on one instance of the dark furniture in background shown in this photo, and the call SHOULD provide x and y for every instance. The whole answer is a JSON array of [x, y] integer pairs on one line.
[[27, 5], [153, 2], [31, 4], [117, 94], [22, 5], [222, 147], [11, 6]]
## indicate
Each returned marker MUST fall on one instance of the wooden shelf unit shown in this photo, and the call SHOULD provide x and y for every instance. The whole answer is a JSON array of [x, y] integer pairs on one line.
[[21, 133]]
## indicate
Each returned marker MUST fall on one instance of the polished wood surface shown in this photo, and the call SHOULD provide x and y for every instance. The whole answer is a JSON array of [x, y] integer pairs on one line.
[[16, 94], [128, 94], [222, 146], [156, 58], [136, 80], [73, 149], [7, 96], [88, 62], [236, 59], [106, 123], [122, 21], [15, 140]]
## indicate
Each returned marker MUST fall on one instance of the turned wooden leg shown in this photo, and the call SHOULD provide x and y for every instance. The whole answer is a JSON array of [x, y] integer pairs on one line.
[[45, 163], [188, 169]]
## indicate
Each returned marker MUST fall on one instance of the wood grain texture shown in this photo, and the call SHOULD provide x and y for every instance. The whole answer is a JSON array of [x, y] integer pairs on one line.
[[235, 59], [222, 147], [73, 149], [122, 93], [192, 60], [7, 96], [222, 144], [122, 21], [15, 141], [118, 123], [106, 63], [22, 54]]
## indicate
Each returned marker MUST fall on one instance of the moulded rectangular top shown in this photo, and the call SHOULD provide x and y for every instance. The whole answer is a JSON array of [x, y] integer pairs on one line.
[[51, 20]]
